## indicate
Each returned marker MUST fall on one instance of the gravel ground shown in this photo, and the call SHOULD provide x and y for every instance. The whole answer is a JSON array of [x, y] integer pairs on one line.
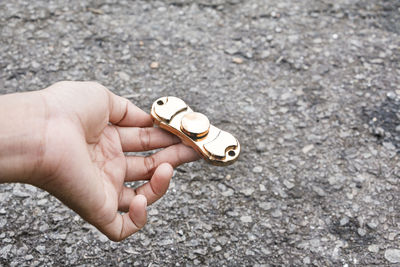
[[310, 88]]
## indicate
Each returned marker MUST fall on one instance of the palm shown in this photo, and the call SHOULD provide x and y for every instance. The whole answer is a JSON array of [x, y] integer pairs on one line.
[[89, 170]]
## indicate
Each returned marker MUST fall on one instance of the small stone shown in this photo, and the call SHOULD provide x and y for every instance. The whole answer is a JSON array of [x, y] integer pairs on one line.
[[392, 255], [264, 54], [288, 184], [154, 65], [373, 248], [223, 240], [246, 219], [4, 251], [153, 212], [35, 65], [361, 231], [320, 192], [103, 238], [257, 169], [123, 76], [307, 148], [237, 60], [228, 193], [397, 128], [276, 213], [249, 252], [389, 146], [344, 221], [201, 251], [41, 249], [247, 192], [217, 248], [232, 213], [392, 236], [266, 205], [372, 224], [263, 188], [261, 147], [166, 242], [306, 260], [28, 257], [391, 95], [231, 50]]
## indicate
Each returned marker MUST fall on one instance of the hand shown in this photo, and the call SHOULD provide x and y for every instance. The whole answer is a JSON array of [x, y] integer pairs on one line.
[[88, 129]]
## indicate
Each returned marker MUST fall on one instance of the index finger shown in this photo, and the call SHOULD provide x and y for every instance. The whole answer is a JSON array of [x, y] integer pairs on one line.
[[124, 113]]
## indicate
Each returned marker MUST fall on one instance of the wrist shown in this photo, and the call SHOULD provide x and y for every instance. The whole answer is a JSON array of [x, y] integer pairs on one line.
[[22, 136]]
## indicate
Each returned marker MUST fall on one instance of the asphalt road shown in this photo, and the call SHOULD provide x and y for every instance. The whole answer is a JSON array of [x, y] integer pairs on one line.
[[310, 88]]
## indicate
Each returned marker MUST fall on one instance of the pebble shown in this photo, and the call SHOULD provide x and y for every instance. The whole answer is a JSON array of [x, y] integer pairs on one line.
[[237, 60], [307, 260], [373, 248], [123, 76], [153, 212], [200, 251], [247, 192], [344, 221], [288, 184], [389, 146], [223, 240], [265, 54], [257, 169], [5, 251], [392, 255], [361, 231], [166, 242], [391, 95], [372, 224], [246, 219], [276, 213], [228, 193], [307, 148], [28, 257], [41, 249], [320, 192], [266, 205], [263, 188], [154, 65], [261, 146]]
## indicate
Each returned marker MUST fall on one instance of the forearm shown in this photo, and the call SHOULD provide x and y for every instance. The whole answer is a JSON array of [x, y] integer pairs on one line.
[[22, 128]]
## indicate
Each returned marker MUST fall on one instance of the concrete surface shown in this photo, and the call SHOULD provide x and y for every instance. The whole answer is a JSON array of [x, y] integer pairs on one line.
[[310, 88]]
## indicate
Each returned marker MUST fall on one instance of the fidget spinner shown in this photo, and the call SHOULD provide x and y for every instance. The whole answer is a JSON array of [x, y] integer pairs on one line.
[[194, 129]]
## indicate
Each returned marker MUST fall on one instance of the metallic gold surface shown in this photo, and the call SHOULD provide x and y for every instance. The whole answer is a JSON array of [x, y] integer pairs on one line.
[[195, 124], [194, 129]]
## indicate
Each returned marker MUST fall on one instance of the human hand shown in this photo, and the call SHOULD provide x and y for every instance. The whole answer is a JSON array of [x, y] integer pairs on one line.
[[88, 129]]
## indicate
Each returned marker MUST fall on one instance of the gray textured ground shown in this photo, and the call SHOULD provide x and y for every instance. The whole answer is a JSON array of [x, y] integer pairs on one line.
[[310, 88]]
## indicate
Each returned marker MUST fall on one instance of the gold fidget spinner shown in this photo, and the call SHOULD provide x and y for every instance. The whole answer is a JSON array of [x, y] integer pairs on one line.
[[194, 129]]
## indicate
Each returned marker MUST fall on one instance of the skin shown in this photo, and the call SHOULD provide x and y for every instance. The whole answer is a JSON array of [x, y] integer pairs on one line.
[[69, 139]]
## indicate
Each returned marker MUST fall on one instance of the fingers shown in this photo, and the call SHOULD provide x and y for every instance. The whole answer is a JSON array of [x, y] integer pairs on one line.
[[139, 168], [124, 113], [135, 139], [158, 184], [129, 223], [152, 190]]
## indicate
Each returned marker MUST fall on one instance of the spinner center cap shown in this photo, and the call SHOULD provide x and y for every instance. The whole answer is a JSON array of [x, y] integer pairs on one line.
[[195, 125]]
